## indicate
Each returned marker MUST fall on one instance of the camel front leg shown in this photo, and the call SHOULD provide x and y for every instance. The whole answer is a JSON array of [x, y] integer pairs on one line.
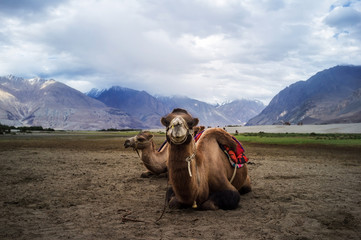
[[172, 200]]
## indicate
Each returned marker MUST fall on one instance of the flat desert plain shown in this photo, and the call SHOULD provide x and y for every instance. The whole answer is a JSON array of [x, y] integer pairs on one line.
[[87, 186]]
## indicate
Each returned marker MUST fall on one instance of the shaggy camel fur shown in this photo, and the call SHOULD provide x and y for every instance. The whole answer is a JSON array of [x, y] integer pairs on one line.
[[197, 129], [154, 161], [199, 173]]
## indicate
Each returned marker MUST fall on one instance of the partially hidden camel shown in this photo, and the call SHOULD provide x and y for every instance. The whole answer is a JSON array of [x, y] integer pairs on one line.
[[199, 173], [154, 161], [197, 129]]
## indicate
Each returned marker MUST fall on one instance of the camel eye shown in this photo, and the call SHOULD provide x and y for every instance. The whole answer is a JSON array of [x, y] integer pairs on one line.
[[141, 139]]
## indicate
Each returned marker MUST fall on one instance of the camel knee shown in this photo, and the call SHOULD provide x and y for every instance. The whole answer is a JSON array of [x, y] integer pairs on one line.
[[246, 188], [226, 199], [209, 205], [172, 200]]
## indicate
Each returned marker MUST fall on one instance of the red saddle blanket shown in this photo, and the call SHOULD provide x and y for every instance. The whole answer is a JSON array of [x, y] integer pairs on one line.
[[236, 159]]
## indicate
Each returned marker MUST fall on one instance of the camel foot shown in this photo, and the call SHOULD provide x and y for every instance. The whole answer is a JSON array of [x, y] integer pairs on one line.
[[146, 174]]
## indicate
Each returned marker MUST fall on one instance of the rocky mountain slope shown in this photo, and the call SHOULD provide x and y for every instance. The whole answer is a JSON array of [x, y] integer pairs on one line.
[[240, 111], [138, 104], [51, 104], [330, 96], [150, 109]]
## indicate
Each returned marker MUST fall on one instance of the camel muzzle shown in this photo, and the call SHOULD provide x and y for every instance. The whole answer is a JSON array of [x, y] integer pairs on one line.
[[178, 131], [127, 143], [130, 142]]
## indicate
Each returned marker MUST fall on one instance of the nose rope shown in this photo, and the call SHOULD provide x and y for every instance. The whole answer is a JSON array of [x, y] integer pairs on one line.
[[190, 158]]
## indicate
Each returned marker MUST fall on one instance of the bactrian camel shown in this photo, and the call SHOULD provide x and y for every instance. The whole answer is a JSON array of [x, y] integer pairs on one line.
[[199, 174], [154, 161]]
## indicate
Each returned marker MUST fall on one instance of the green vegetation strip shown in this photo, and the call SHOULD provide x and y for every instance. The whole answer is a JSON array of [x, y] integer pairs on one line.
[[298, 138]]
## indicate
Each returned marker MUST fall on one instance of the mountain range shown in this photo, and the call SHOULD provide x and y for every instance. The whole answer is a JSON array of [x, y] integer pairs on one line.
[[51, 104], [330, 96], [149, 109]]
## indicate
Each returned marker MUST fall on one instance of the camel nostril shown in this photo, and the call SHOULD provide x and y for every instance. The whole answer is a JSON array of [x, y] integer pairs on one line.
[[127, 143]]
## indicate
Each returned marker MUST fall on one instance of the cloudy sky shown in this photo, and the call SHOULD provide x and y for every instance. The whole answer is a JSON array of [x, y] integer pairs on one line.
[[210, 50]]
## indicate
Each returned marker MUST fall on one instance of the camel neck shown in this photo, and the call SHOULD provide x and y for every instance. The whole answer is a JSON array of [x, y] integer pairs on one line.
[[153, 160], [180, 152], [184, 185]]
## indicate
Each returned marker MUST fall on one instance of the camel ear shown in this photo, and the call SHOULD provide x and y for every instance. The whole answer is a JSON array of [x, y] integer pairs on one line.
[[150, 136], [195, 122], [164, 121]]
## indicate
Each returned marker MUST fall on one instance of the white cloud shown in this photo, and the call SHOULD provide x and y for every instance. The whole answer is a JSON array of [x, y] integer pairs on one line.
[[209, 50]]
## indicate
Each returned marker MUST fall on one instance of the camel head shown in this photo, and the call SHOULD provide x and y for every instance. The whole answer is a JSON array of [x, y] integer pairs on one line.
[[179, 124], [198, 129], [139, 141]]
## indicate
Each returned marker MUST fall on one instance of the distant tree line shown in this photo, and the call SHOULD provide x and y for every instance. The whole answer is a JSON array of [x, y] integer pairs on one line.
[[7, 129], [121, 130]]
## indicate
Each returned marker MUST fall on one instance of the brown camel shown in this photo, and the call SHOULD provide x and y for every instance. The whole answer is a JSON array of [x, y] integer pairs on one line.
[[199, 173], [154, 161], [197, 129]]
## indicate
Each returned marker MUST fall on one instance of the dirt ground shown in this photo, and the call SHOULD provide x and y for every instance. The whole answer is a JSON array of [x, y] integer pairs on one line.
[[89, 187]]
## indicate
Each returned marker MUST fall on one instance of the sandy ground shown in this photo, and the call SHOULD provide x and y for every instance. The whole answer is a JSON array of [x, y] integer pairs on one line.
[[89, 187]]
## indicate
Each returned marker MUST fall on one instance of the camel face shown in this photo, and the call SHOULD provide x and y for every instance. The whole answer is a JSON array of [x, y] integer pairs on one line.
[[178, 131], [139, 141], [130, 142], [179, 125]]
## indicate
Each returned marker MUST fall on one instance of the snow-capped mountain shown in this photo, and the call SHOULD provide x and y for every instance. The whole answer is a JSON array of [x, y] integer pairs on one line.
[[138, 104], [51, 104], [150, 109]]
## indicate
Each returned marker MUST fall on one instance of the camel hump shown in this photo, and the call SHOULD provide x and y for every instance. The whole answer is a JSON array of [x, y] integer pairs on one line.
[[221, 136]]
